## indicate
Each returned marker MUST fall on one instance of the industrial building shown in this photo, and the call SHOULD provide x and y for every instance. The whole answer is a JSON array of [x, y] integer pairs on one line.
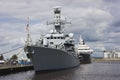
[[112, 54]]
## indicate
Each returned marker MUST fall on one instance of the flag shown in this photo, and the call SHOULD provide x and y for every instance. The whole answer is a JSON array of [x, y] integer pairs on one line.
[[27, 27]]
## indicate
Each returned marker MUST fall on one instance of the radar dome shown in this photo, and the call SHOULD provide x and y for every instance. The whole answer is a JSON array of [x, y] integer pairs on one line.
[[51, 31], [71, 35]]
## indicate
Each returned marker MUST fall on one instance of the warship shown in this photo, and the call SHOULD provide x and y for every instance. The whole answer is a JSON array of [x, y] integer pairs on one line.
[[84, 52], [56, 50]]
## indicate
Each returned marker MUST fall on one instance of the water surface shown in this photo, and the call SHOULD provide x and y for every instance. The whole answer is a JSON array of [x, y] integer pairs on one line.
[[94, 71]]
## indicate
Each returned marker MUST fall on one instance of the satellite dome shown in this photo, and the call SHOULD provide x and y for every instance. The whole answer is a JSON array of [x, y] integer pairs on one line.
[[51, 31], [71, 35]]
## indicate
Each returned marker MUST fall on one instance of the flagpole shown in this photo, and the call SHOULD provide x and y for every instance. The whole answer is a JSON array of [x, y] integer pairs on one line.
[[28, 24], [29, 40]]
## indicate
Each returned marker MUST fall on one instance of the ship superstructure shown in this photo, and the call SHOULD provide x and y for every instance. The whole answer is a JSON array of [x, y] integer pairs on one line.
[[84, 52], [55, 50]]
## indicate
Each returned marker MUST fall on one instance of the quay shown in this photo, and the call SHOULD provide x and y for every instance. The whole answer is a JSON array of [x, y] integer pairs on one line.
[[13, 64], [105, 59], [8, 69]]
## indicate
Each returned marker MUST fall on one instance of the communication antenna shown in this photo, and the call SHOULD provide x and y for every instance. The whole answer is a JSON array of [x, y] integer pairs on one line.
[[29, 40], [58, 23]]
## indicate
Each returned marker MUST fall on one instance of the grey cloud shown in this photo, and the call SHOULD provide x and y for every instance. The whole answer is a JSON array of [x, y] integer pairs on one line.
[[112, 1], [116, 23], [95, 20]]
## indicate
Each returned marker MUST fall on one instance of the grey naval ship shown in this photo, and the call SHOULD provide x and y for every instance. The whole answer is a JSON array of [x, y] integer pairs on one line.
[[55, 50], [84, 52]]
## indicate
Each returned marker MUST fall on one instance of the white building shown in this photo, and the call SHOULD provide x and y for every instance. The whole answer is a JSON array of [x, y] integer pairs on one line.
[[112, 54]]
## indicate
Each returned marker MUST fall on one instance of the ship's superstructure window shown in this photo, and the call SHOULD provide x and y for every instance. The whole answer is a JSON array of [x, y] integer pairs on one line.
[[51, 42], [58, 37], [66, 35], [51, 37], [62, 38], [48, 38], [55, 37]]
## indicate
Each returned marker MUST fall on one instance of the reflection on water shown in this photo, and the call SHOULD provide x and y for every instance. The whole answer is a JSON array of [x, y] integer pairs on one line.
[[57, 75], [94, 71]]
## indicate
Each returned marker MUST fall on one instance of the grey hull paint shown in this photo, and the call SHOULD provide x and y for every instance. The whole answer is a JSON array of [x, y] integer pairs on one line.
[[52, 59]]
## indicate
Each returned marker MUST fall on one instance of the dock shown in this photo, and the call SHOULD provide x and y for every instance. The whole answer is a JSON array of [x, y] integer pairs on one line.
[[107, 60], [8, 69]]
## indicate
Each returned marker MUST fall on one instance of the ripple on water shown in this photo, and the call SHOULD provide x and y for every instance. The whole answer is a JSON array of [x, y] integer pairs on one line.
[[94, 71]]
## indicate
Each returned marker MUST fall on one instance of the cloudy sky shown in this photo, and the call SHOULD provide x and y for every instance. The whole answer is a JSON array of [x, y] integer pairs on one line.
[[97, 21]]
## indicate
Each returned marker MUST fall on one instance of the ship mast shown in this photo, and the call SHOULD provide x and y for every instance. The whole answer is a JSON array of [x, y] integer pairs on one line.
[[58, 23], [81, 40], [29, 40]]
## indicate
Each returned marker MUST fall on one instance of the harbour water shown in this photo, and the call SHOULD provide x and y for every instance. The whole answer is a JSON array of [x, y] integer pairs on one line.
[[93, 71]]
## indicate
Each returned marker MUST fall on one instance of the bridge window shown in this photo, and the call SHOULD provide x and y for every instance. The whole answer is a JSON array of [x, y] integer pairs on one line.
[[55, 37], [51, 37], [62, 37], [51, 42], [58, 37], [48, 38]]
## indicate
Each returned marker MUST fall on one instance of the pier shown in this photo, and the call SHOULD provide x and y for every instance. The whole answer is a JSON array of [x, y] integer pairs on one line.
[[13, 64], [107, 60], [8, 69]]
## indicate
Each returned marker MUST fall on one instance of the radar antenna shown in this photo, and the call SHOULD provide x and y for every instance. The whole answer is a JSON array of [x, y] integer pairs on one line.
[[58, 23]]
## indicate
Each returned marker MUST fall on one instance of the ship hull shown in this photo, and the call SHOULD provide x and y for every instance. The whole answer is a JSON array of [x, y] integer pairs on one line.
[[85, 58], [45, 59]]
